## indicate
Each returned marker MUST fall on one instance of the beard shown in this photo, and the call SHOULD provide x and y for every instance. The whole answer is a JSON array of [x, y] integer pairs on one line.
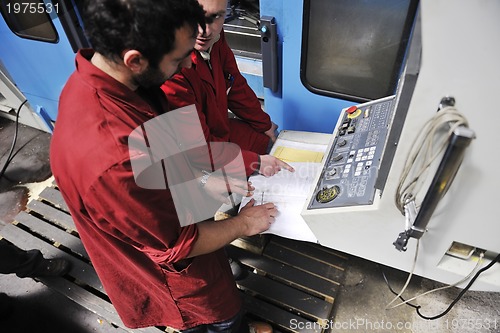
[[151, 77]]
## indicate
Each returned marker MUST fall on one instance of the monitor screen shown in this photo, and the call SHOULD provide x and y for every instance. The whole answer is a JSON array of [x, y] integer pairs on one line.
[[355, 49]]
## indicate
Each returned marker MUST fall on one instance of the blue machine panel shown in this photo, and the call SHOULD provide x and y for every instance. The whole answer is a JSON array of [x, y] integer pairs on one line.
[[294, 107], [39, 69]]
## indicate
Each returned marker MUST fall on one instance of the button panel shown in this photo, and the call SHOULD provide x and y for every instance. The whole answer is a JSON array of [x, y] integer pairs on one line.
[[352, 165]]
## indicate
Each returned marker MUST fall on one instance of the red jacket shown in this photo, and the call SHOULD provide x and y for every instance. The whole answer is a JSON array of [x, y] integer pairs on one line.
[[132, 234], [214, 92]]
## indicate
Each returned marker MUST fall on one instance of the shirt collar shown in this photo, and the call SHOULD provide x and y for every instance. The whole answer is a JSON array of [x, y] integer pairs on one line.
[[104, 83], [206, 54]]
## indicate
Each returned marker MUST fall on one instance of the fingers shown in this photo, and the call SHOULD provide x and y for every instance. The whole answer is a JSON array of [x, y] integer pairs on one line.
[[250, 203], [273, 212], [286, 166], [241, 187], [269, 205], [270, 165], [258, 218], [271, 209], [272, 170], [242, 191]]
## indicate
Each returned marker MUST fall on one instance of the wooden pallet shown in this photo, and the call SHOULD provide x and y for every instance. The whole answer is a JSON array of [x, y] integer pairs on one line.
[[290, 284]]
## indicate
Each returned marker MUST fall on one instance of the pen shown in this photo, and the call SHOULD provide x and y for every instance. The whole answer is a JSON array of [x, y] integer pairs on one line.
[[230, 79]]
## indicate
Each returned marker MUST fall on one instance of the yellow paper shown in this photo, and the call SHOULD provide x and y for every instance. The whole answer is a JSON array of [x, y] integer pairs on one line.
[[288, 154]]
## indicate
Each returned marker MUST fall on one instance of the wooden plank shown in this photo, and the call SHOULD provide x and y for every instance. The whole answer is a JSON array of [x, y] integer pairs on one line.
[[54, 197], [328, 256], [278, 316], [287, 297], [52, 233], [299, 288], [306, 263], [91, 302], [286, 274], [52, 214], [81, 271]]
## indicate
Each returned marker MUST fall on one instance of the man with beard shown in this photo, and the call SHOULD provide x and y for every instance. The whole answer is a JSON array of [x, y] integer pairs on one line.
[[156, 270]]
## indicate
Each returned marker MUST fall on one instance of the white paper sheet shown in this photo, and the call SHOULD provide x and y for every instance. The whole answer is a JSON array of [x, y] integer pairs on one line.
[[288, 191]]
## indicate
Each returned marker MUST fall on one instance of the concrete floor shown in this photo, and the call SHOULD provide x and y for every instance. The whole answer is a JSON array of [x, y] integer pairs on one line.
[[360, 306]]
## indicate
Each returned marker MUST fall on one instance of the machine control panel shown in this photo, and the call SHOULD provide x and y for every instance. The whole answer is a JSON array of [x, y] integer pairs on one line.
[[350, 170]]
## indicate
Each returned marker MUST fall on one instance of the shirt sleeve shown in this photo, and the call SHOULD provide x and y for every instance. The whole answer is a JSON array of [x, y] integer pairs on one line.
[[241, 99], [143, 218], [180, 92]]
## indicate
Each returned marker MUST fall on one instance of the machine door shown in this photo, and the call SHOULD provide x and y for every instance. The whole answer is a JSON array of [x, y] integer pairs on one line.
[[333, 54], [38, 44]]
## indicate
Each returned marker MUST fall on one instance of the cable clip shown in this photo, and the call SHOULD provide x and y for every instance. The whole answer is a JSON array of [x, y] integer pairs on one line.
[[410, 215]]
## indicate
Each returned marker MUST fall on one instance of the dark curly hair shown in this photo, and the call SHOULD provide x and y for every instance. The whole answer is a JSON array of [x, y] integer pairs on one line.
[[113, 26]]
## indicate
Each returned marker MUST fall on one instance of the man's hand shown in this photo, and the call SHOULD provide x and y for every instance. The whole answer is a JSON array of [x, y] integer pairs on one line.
[[218, 188], [257, 219], [270, 165], [271, 133], [251, 220]]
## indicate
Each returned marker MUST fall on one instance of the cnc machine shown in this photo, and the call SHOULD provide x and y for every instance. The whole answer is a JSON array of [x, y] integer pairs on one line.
[[368, 75]]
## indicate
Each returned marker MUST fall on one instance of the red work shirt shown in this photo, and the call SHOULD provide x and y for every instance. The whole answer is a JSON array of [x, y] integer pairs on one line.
[[214, 91], [132, 235]]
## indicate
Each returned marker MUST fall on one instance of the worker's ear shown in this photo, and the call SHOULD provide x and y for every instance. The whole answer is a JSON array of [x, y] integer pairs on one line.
[[135, 61]]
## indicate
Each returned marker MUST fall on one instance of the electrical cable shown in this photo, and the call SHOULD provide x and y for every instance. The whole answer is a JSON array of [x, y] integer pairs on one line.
[[395, 293], [409, 277], [14, 140], [478, 264], [497, 259], [424, 151]]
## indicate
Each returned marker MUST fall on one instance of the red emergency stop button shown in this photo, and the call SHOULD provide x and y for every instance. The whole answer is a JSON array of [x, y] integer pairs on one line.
[[351, 109]]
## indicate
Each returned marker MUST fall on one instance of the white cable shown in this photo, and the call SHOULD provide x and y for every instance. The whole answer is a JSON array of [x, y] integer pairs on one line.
[[476, 267], [409, 276], [424, 151]]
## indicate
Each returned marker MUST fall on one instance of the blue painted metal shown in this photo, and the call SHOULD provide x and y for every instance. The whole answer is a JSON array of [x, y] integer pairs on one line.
[[255, 82], [45, 117], [294, 107], [251, 69], [38, 69]]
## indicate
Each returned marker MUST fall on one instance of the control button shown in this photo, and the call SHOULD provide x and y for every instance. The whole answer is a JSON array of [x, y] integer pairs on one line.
[[342, 143], [332, 172], [327, 194], [355, 114], [351, 130], [337, 158], [351, 109]]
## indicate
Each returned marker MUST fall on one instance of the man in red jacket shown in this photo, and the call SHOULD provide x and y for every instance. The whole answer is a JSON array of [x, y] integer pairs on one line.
[[214, 84], [156, 270]]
